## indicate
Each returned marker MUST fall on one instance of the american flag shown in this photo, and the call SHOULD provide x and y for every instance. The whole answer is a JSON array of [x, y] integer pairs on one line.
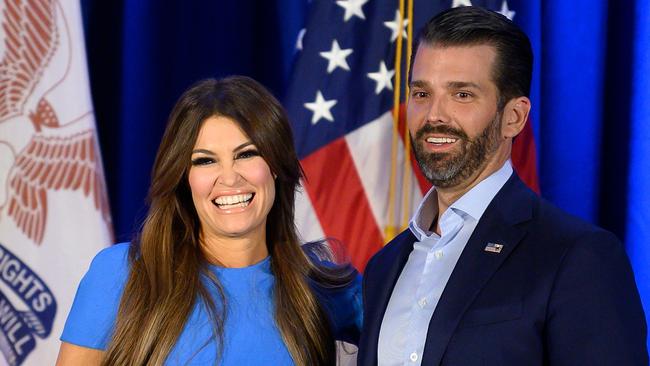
[[360, 189]]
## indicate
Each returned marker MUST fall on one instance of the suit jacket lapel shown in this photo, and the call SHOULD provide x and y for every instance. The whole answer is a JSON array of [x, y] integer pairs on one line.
[[387, 268], [499, 224]]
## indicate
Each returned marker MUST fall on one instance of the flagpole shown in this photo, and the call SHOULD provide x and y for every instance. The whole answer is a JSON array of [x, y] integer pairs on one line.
[[390, 229], [406, 182]]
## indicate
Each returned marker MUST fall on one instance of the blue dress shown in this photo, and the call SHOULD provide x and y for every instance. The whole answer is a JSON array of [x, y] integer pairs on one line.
[[250, 334]]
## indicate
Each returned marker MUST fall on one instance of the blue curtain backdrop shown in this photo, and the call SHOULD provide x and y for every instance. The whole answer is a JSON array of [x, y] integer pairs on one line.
[[590, 116]]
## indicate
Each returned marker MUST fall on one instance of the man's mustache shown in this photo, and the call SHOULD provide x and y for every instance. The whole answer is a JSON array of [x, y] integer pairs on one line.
[[441, 129]]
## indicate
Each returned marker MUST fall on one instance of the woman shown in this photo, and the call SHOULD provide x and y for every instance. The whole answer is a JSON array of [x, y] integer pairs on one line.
[[216, 274]]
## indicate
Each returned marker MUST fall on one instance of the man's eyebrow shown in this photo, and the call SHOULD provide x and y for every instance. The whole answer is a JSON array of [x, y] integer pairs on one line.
[[418, 84], [463, 84]]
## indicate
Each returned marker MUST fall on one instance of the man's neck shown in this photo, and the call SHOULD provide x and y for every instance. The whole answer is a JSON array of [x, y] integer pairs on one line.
[[447, 196]]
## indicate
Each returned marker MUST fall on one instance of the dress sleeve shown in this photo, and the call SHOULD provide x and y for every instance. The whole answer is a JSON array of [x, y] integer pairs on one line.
[[92, 316], [345, 309], [343, 304], [350, 307]]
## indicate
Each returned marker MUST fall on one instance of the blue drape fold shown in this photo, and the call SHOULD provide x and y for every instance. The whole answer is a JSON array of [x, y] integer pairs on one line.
[[638, 197]]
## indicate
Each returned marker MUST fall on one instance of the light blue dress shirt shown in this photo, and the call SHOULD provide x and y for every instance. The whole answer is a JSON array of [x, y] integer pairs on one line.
[[428, 268]]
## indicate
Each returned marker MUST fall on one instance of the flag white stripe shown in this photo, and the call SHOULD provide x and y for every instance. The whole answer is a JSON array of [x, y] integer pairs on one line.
[[307, 222], [370, 147]]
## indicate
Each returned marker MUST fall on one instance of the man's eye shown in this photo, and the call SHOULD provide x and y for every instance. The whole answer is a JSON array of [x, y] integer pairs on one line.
[[247, 154], [202, 161], [419, 94], [463, 95]]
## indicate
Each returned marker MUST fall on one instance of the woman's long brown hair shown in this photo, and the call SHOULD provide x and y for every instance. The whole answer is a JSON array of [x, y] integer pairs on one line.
[[169, 270]]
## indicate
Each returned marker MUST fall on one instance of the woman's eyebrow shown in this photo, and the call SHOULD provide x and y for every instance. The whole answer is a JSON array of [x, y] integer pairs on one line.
[[202, 151], [245, 144]]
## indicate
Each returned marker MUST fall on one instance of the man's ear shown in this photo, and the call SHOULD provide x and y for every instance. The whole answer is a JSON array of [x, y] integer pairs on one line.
[[515, 115]]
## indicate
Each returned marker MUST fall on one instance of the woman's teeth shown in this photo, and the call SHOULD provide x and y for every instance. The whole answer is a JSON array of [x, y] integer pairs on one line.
[[236, 200]]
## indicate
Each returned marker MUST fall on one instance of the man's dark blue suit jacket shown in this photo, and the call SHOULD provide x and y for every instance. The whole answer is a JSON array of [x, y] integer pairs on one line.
[[561, 292]]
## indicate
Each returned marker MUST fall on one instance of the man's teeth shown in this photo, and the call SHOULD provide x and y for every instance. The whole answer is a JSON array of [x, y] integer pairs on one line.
[[236, 200], [441, 140]]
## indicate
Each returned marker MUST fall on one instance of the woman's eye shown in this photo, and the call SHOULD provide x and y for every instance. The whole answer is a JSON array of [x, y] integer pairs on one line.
[[202, 161], [248, 154]]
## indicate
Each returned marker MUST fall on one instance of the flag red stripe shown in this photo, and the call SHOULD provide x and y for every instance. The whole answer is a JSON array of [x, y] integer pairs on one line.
[[524, 157], [337, 195], [424, 184]]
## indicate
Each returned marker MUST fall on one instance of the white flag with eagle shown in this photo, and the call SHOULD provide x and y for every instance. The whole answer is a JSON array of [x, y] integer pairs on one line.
[[54, 213]]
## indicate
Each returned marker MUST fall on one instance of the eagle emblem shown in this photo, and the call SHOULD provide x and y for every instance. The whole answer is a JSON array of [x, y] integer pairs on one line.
[[48, 153]]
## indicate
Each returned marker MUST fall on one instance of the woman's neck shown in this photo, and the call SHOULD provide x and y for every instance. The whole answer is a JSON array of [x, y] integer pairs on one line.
[[234, 252]]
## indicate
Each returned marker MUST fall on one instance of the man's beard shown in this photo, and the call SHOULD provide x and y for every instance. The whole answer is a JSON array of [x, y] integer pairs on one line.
[[448, 169]]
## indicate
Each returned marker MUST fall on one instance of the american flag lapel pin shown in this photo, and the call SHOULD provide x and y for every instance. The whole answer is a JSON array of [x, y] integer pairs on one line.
[[493, 248]]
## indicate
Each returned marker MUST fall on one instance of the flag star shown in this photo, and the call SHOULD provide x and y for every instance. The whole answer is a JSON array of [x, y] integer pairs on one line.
[[457, 3], [301, 35], [382, 77], [352, 8], [336, 57], [394, 27], [321, 108], [510, 14]]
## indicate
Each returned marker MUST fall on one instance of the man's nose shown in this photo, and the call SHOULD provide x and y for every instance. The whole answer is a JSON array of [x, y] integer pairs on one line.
[[437, 111]]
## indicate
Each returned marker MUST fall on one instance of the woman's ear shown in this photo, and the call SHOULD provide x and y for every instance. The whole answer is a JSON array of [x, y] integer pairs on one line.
[[515, 116]]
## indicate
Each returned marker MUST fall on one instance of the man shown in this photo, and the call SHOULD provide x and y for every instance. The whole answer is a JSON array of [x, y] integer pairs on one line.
[[487, 272]]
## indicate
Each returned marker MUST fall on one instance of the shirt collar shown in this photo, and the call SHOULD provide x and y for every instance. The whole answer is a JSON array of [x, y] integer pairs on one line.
[[473, 203]]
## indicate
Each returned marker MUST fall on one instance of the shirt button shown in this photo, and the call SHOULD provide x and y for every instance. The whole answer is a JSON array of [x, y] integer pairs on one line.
[[438, 254], [422, 302], [413, 357]]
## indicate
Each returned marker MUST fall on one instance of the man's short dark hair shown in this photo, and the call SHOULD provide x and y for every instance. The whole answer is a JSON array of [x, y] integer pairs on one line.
[[469, 26]]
